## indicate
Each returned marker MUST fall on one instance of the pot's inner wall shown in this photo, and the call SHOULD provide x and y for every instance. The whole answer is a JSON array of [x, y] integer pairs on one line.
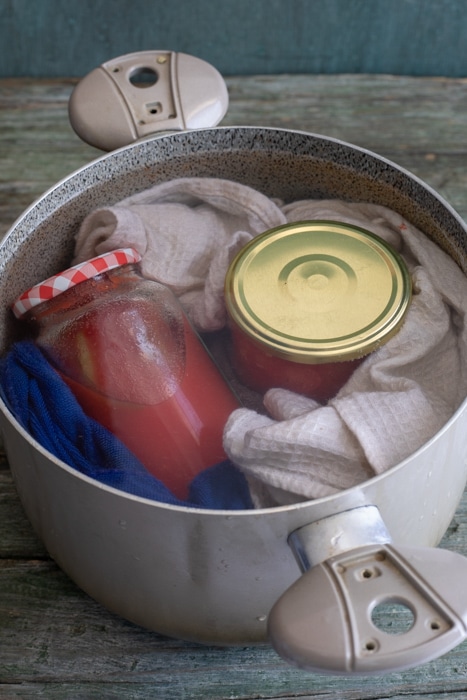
[[287, 165]]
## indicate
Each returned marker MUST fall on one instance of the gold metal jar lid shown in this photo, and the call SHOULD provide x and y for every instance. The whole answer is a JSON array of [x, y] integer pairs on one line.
[[318, 291]]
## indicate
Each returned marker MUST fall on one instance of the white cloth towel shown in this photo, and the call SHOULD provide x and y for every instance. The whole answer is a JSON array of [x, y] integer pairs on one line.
[[188, 231]]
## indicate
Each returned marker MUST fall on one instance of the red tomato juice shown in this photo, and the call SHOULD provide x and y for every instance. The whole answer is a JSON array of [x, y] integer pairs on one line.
[[261, 370], [174, 438]]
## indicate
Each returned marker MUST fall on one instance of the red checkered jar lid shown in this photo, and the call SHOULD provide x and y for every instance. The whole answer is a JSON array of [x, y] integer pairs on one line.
[[55, 285]]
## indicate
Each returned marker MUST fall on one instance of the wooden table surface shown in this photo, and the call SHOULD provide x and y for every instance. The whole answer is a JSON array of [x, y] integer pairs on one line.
[[57, 643]]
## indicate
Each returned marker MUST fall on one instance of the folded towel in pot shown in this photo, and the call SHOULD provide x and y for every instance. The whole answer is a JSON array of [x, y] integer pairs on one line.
[[188, 231], [47, 409]]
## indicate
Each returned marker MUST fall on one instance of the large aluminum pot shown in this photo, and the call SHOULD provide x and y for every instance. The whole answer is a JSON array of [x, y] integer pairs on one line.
[[214, 576]]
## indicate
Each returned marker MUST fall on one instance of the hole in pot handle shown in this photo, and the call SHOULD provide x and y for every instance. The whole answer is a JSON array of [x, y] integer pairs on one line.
[[143, 93], [332, 620]]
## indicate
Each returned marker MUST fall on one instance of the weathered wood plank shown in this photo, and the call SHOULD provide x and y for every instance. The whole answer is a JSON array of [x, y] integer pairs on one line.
[[123, 691], [17, 539], [374, 111], [68, 642]]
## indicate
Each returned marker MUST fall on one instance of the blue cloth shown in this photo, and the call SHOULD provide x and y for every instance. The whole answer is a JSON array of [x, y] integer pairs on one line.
[[47, 409]]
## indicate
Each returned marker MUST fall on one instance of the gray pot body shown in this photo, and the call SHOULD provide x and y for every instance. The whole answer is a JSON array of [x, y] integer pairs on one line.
[[213, 576]]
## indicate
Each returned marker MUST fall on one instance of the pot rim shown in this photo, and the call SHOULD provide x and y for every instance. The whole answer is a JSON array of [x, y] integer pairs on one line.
[[249, 128]]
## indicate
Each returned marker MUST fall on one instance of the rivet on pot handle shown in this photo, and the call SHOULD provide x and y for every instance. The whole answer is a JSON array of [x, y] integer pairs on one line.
[[327, 620], [143, 93]]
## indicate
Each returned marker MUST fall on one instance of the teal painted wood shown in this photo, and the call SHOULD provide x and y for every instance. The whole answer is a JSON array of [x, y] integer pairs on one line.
[[239, 37]]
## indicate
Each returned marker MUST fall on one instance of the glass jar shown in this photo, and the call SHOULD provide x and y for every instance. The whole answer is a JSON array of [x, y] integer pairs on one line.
[[124, 346], [308, 301]]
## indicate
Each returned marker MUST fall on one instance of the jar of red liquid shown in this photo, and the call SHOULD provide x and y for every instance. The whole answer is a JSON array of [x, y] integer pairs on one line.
[[125, 348], [308, 301]]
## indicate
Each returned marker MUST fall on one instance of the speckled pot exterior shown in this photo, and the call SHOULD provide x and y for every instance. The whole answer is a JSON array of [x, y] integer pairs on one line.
[[213, 576]]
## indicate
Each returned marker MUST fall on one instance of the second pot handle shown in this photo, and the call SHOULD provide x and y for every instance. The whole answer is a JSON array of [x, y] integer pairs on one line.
[[327, 621]]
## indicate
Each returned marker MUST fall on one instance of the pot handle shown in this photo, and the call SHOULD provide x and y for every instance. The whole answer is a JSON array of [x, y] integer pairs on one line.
[[139, 94], [328, 622]]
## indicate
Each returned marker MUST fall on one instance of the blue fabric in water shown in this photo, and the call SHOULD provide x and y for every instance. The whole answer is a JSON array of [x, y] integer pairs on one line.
[[47, 409]]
